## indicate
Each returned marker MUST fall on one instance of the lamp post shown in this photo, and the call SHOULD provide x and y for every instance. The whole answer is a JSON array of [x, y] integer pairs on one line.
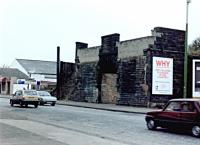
[[186, 52]]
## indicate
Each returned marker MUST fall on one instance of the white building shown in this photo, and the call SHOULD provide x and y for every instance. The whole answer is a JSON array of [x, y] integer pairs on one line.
[[43, 72]]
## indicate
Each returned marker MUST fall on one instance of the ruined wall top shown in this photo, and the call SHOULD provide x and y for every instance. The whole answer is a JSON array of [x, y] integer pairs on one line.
[[90, 54], [125, 49], [134, 47]]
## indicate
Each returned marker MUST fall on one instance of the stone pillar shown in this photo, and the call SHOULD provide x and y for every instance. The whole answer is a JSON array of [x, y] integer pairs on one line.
[[108, 53], [79, 94], [12, 81], [107, 69], [79, 45], [108, 88]]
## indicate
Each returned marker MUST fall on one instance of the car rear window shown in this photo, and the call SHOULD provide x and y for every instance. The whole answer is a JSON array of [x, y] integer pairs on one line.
[[30, 93], [43, 93], [187, 106]]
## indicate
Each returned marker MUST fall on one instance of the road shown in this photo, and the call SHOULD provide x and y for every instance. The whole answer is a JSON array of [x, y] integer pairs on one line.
[[66, 125]]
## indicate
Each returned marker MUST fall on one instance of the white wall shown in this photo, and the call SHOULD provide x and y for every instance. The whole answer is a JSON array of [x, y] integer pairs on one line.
[[41, 77], [19, 87], [37, 77], [50, 78]]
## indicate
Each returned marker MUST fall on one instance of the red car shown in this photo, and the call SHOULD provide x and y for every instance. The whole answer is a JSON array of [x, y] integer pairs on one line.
[[177, 114]]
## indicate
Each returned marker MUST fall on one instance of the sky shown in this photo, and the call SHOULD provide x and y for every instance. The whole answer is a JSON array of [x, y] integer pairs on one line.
[[32, 29]]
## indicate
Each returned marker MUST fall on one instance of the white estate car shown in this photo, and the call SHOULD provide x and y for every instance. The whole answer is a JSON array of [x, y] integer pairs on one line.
[[46, 98]]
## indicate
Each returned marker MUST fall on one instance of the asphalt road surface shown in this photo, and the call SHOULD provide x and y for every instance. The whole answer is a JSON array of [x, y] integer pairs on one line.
[[66, 125]]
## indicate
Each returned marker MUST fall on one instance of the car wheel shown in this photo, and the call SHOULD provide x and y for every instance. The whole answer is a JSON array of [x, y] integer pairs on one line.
[[196, 131], [151, 124], [11, 103], [53, 103], [36, 105], [41, 103]]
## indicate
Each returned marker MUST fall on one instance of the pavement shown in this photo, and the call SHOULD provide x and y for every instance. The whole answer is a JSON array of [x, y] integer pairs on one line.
[[107, 107]]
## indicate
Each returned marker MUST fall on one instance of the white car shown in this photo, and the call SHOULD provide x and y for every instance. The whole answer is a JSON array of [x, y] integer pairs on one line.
[[46, 98], [25, 97]]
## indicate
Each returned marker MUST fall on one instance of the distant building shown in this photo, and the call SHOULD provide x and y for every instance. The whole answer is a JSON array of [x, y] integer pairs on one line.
[[11, 76], [43, 72]]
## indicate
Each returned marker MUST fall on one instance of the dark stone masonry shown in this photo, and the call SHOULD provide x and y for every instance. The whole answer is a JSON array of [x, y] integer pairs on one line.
[[121, 72]]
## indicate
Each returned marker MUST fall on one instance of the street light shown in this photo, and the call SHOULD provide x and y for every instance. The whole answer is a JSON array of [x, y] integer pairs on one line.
[[186, 52]]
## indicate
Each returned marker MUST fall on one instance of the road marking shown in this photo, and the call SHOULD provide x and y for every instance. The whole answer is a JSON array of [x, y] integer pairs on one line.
[[59, 134]]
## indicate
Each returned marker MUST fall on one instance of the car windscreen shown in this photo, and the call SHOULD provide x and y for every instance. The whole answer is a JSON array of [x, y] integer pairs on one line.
[[173, 106], [43, 93], [30, 93]]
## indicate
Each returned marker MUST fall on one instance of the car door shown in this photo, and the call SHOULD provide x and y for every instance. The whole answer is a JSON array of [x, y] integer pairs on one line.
[[170, 116], [188, 115], [18, 96], [15, 97]]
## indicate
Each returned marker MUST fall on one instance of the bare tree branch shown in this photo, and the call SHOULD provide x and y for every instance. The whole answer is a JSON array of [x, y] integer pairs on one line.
[[194, 48]]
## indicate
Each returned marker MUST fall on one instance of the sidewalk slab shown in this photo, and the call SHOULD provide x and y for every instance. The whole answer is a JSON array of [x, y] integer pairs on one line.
[[5, 96]]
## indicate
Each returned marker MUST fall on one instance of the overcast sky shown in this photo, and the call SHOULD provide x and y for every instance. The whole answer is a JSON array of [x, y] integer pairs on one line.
[[32, 29]]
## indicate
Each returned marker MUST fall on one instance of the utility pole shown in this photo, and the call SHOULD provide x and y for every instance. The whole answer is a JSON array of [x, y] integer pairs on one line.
[[186, 52], [58, 74]]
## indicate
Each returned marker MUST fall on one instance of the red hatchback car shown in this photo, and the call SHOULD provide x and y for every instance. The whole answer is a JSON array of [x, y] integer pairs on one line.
[[177, 113]]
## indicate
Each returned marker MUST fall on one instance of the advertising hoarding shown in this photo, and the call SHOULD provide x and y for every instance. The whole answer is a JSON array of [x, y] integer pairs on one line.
[[196, 78], [162, 76]]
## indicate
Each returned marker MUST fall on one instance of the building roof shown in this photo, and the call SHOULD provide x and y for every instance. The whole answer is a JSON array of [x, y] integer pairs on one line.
[[13, 72], [38, 66]]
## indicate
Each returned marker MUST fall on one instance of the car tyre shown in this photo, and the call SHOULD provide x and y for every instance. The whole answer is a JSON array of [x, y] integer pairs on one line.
[[151, 124], [11, 103], [36, 105], [53, 103], [196, 131], [41, 103], [21, 104]]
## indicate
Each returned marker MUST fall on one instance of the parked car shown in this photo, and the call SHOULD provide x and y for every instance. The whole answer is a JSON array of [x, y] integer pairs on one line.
[[25, 97], [46, 98], [177, 114]]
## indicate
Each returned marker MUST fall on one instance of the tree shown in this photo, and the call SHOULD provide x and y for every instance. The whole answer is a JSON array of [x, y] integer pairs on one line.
[[194, 48], [5, 66]]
